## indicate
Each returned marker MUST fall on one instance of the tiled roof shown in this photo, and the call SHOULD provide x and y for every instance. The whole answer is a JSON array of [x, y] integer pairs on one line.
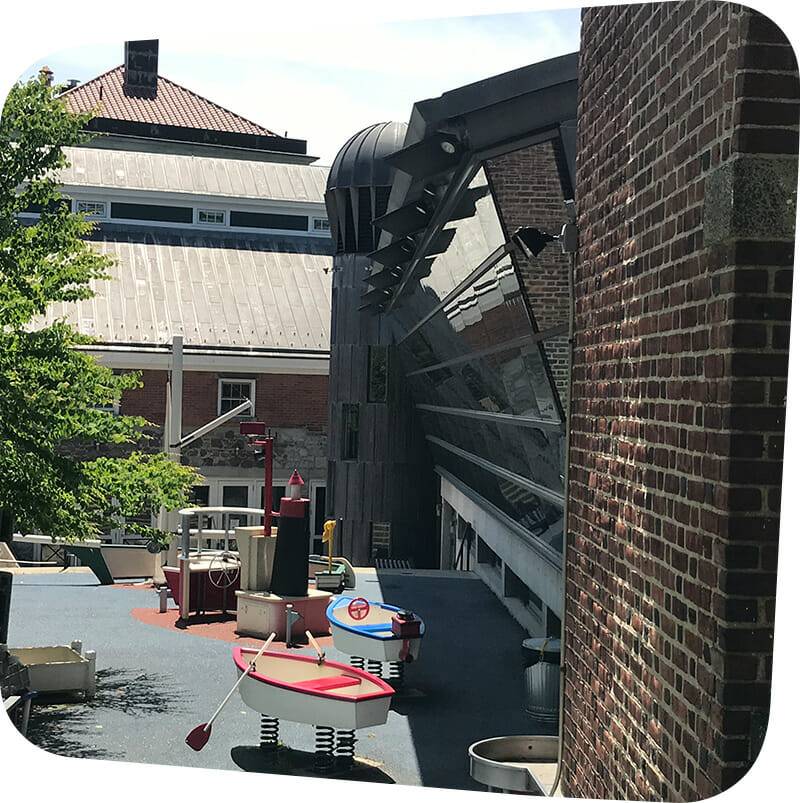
[[172, 105], [234, 292]]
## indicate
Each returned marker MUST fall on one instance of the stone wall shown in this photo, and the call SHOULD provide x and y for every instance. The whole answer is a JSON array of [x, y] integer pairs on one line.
[[686, 170], [294, 406]]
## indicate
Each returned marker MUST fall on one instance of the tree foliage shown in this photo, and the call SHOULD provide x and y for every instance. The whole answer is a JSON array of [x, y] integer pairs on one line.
[[54, 395]]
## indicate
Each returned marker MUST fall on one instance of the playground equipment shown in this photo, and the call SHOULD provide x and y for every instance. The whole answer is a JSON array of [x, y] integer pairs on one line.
[[108, 562], [329, 580], [337, 699], [58, 670], [199, 736], [376, 632], [206, 579], [285, 598]]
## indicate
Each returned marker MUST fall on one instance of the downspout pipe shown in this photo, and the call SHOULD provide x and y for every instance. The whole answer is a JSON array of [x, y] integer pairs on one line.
[[568, 416]]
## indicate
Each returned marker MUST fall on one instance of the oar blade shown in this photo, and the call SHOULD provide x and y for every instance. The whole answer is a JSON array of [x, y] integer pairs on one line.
[[199, 736]]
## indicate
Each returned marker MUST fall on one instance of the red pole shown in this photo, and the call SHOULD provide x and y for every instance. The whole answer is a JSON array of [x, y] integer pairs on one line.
[[268, 484]]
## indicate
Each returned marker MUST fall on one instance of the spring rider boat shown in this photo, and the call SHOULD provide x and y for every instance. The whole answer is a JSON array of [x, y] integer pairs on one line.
[[337, 699], [376, 632]]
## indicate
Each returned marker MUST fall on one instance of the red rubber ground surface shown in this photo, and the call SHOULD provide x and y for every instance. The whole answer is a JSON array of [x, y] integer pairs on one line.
[[217, 626]]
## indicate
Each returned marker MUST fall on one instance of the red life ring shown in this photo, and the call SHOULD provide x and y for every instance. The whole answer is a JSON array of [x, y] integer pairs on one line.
[[358, 608]]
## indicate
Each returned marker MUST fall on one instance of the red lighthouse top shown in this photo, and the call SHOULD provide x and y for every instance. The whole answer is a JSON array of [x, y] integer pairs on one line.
[[294, 506]]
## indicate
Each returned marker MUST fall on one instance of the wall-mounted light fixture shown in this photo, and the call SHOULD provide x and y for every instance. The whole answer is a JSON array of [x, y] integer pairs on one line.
[[531, 241]]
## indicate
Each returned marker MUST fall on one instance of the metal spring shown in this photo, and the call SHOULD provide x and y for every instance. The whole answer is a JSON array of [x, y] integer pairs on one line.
[[357, 661], [375, 667], [270, 729], [397, 673], [324, 746], [345, 746]]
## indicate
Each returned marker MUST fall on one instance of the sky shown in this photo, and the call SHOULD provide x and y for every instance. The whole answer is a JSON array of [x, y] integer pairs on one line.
[[323, 84]]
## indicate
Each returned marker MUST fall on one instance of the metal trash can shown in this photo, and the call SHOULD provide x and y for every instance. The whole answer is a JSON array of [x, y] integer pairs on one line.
[[542, 658]]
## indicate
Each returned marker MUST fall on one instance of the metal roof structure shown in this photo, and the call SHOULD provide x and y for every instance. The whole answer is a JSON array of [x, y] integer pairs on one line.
[[250, 293], [447, 139], [359, 162], [199, 175]]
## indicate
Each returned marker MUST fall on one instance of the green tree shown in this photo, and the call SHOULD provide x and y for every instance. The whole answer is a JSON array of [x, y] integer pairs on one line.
[[52, 393]]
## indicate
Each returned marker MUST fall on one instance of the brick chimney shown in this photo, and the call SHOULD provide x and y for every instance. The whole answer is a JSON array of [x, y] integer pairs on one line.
[[46, 75], [140, 73]]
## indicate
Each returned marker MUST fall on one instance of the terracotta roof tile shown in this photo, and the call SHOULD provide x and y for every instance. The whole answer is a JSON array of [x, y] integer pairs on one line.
[[172, 105]]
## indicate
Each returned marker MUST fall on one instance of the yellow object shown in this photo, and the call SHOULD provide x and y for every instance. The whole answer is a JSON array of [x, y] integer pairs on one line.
[[327, 538]]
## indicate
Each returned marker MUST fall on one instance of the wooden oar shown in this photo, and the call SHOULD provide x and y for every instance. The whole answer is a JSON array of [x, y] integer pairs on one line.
[[320, 651], [199, 736]]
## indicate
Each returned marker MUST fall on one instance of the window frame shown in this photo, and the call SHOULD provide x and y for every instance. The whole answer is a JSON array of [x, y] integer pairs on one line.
[[235, 380], [324, 229], [347, 437], [76, 202], [112, 408], [206, 209], [373, 350]]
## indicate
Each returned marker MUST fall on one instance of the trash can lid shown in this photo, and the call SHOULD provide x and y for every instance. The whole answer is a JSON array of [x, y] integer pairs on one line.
[[548, 646]]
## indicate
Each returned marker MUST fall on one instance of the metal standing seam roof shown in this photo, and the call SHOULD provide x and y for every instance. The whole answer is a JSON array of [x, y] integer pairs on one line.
[[172, 105], [199, 175], [242, 292]]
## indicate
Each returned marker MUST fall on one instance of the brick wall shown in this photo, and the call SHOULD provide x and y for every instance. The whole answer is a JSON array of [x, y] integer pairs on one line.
[[528, 191], [686, 174], [282, 400], [294, 406]]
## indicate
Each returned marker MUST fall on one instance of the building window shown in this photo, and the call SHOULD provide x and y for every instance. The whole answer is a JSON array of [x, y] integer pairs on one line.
[[266, 220], [212, 217], [161, 212], [93, 209], [321, 224], [112, 408], [349, 432], [380, 537], [377, 374], [232, 392], [198, 496]]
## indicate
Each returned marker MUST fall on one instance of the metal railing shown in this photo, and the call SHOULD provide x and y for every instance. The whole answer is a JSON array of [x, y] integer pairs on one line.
[[204, 533]]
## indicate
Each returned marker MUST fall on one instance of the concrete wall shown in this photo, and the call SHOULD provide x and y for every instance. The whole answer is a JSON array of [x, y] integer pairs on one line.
[[686, 172], [537, 568]]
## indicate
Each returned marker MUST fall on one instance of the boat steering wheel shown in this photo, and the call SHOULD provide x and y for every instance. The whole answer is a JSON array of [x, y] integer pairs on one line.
[[228, 570], [358, 608]]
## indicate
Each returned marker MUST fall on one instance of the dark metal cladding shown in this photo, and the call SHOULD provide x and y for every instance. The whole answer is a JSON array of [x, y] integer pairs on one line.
[[361, 160], [358, 185], [381, 487]]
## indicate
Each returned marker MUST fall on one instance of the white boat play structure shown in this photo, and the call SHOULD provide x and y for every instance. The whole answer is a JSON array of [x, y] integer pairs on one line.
[[301, 688], [376, 632], [337, 699]]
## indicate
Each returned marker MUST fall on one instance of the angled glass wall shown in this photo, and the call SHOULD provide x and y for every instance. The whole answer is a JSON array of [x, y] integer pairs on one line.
[[479, 364]]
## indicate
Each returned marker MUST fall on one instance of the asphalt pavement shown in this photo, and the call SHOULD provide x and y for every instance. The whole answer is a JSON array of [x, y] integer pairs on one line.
[[155, 684]]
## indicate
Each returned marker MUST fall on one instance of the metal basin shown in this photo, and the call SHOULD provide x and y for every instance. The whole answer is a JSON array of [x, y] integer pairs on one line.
[[515, 763]]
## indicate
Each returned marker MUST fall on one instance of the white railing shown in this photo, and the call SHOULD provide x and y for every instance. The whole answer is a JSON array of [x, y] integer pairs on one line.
[[203, 533]]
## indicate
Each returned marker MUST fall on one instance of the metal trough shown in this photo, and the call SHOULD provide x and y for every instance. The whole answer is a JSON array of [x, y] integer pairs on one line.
[[524, 764], [60, 669]]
